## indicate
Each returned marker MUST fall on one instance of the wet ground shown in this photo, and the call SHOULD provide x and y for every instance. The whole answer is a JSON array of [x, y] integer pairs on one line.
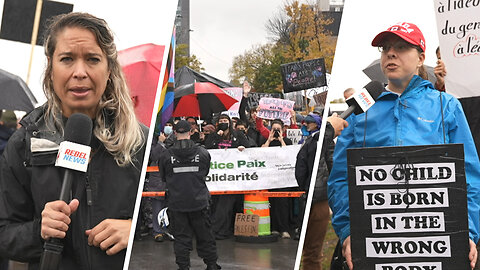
[[148, 254]]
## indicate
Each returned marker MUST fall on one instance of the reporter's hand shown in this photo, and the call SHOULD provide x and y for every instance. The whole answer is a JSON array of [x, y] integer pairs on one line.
[[347, 252], [337, 123], [56, 218], [110, 235], [472, 255]]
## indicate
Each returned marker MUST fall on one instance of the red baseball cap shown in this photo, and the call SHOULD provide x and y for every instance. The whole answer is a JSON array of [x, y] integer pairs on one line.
[[407, 31]]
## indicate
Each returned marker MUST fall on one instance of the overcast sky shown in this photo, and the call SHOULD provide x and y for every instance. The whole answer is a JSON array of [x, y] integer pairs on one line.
[[223, 30], [133, 23], [361, 22]]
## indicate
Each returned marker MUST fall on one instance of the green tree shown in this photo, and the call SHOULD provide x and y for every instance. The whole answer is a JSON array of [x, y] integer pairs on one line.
[[297, 33], [182, 59], [260, 65], [308, 38]]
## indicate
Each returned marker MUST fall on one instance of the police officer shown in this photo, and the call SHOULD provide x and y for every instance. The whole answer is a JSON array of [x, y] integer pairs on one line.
[[184, 167]]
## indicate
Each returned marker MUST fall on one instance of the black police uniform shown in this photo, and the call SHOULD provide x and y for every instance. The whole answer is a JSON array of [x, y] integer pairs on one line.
[[184, 167]]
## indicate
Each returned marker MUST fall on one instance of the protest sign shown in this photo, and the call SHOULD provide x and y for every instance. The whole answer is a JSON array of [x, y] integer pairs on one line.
[[252, 168], [236, 93], [295, 135], [408, 207], [459, 36], [246, 224], [254, 98], [273, 108], [303, 75]]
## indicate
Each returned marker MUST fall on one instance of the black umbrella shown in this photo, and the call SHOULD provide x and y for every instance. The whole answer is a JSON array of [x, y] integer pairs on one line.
[[15, 94], [374, 72]]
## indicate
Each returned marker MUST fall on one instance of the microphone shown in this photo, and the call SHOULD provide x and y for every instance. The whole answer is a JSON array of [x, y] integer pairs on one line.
[[362, 100], [73, 155], [74, 151]]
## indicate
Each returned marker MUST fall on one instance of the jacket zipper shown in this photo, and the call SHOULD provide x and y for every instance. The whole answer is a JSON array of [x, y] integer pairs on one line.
[[88, 190]]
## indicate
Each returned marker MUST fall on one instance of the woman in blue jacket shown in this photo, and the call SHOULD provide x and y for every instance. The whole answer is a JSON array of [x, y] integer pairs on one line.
[[408, 112]]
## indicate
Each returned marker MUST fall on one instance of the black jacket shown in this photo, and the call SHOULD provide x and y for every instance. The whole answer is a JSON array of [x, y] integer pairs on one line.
[[5, 134], [305, 162], [28, 180], [237, 139], [184, 166]]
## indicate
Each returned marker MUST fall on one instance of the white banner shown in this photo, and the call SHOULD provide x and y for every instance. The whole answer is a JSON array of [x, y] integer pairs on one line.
[[252, 169], [459, 36]]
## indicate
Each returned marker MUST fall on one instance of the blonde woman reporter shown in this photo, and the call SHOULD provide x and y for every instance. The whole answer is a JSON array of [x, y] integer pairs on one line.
[[82, 76]]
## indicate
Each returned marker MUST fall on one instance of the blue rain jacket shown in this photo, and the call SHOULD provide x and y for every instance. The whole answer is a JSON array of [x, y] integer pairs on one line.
[[413, 118]]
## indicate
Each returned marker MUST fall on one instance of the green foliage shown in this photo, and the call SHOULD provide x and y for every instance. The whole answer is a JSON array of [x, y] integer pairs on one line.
[[308, 37], [261, 66], [182, 59], [298, 33]]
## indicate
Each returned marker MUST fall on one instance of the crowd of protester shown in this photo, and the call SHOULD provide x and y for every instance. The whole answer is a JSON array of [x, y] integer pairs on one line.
[[242, 132]]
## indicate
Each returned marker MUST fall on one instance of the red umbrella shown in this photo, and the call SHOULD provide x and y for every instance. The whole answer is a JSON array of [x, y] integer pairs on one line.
[[141, 65], [201, 99]]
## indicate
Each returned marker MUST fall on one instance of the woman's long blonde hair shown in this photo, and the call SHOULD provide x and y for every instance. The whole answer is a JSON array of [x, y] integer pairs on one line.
[[123, 136]]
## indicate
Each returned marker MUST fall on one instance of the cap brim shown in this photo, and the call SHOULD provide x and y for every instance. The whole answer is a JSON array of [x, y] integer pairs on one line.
[[377, 41]]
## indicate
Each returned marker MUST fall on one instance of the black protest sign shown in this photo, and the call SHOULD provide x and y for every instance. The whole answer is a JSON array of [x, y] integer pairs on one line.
[[408, 207], [18, 18], [303, 75], [253, 99]]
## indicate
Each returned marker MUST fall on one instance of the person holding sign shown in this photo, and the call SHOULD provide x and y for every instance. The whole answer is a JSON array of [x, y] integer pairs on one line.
[[82, 76], [409, 112], [225, 206]]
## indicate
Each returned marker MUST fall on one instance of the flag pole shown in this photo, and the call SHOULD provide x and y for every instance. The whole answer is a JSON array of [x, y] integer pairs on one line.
[[36, 23]]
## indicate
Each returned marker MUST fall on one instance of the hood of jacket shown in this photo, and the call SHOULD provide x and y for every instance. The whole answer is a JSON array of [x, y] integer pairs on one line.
[[184, 150]]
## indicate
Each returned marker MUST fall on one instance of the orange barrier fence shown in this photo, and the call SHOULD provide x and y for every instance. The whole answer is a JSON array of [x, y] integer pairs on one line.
[[247, 192], [152, 169]]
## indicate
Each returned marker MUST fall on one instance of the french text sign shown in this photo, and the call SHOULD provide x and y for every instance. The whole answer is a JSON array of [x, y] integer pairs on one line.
[[458, 29]]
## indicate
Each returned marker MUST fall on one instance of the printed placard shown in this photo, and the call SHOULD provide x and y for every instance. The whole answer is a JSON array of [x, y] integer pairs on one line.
[[405, 198], [417, 174], [408, 222], [434, 246], [408, 207], [410, 266]]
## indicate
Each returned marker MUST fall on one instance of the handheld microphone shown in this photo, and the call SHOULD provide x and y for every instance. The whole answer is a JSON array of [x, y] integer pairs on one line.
[[362, 100], [74, 151], [73, 155]]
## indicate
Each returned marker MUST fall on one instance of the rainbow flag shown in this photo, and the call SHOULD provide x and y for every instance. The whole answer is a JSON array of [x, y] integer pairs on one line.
[[165, 107]]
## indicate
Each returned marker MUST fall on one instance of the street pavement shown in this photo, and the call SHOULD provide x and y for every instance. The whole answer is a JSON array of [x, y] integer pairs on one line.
[[148, 254]]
